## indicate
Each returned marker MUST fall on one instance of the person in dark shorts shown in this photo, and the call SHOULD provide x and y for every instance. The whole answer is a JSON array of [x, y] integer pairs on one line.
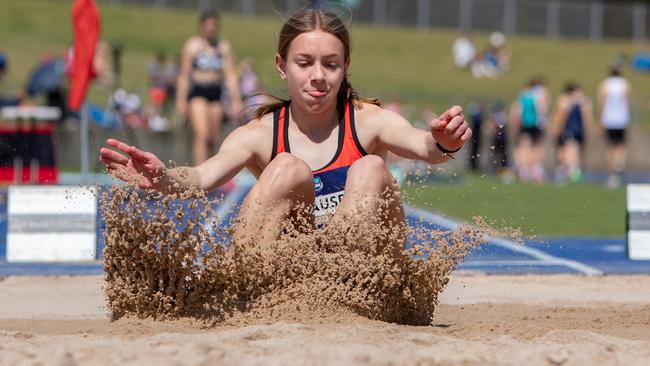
[[498, 122], [570, 126], [615, 114], [528, 116], [207, 63]]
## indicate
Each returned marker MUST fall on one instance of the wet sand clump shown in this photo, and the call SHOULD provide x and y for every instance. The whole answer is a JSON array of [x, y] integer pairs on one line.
[[170, 256]]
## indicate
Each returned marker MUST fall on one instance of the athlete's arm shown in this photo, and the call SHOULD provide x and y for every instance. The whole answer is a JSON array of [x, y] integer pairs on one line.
[[147, 171], [239, 150], [602, 94], [183, 81], [559, 117], [587, 117], [396, 134]]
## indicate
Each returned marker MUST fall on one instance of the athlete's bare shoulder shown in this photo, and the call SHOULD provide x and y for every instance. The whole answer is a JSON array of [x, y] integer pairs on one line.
[[371, 120], [369, 115], [224, 46], [192, 44], [256, 136]]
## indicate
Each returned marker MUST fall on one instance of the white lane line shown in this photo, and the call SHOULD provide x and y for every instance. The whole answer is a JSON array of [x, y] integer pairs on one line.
[[504, 243], [232, 199], [508, 262]]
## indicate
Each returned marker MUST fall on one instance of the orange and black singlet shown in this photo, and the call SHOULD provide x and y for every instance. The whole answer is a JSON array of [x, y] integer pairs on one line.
[[329, 181]]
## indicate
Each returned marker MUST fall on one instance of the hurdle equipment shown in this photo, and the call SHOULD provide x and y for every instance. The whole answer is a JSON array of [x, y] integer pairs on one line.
[[638, 221]]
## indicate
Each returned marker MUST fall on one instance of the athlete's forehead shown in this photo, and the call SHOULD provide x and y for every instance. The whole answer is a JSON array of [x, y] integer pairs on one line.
[[316, 44]]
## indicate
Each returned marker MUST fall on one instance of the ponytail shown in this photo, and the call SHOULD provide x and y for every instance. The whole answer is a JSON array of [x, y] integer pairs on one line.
[[270, 107], [347, 93]]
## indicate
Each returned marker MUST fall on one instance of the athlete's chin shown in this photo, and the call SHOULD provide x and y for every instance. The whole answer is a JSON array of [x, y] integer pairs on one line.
[[319, 104]]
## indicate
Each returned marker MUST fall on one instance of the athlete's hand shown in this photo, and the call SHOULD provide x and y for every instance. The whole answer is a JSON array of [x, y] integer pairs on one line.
[[450, 129], [142, 168]]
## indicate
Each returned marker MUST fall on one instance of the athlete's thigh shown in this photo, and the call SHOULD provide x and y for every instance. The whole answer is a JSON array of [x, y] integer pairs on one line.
[[198, 111], [215, 116]]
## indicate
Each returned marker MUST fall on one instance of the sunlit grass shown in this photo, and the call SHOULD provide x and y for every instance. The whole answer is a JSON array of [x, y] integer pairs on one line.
[[545, 210]]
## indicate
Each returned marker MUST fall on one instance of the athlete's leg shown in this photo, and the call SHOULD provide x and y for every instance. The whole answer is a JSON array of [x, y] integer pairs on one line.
[[371, 191], [523, 157], [198, 113], [538, 149], [216, 116], [572, 154], [284, 190]]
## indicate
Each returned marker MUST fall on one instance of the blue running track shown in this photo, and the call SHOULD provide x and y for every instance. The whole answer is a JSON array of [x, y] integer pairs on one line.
[[588, 256]]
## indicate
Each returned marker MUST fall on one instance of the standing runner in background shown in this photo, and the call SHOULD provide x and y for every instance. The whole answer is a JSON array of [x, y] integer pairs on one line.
[[321, 154], [528, 115], [614, 108], [570, 126], [207, 63]]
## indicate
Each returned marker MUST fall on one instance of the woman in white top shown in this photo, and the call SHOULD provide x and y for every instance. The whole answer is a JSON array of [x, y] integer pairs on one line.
[[614, 108]]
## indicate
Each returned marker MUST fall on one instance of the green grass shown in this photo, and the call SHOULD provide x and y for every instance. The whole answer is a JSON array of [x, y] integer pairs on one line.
[[539, 210], [389, 61], [412, 64]]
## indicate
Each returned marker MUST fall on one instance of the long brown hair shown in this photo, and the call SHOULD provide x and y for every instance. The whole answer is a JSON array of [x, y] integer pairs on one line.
[[307, 20]]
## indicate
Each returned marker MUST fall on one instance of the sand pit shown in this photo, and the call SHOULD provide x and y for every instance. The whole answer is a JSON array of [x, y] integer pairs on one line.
[[533, 320]]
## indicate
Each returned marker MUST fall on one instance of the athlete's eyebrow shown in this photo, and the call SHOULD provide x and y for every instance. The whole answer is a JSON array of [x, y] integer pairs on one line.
[[307, 55]]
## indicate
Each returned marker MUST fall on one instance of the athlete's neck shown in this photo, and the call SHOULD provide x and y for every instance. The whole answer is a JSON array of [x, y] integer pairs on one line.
[[315, 126]]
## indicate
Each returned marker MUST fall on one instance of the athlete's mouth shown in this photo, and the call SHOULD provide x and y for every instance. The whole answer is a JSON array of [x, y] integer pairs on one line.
[[317, 93]]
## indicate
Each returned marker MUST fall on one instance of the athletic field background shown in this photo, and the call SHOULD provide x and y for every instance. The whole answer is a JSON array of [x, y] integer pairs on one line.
[[412, 64], [387, 62]]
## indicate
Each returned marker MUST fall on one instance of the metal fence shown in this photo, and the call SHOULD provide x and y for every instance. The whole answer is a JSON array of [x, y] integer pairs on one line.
[[552, 18]]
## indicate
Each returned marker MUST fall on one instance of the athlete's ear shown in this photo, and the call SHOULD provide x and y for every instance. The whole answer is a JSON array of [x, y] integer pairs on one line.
[[281, 66]]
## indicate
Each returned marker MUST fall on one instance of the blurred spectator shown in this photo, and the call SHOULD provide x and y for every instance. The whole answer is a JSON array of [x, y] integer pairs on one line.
[[207, 65], [614, 107], [171, 76], [158, 82], [48, 79], [570, 127], [527, 114], [495, 60], [128, 107], [477, 115], [251, 89], [498, 122], [157, 71], [6, 100], [394, 103], [463, 51], [641, 62]]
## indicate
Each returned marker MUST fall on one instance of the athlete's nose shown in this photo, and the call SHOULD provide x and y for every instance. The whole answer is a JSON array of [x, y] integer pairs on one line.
[[318, 73]]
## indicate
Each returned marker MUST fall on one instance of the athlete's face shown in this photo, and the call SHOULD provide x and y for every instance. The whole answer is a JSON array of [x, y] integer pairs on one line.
[[314, 69], [210, 27]]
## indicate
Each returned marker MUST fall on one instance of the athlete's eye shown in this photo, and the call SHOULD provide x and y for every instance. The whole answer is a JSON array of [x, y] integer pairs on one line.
[[302, 63]]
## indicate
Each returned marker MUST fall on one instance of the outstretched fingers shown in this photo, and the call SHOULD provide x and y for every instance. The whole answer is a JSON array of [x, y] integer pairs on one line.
[[111, 156]]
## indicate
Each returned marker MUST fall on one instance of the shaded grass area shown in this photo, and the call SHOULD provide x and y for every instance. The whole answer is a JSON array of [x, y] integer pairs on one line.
[[413, 65], [539, 210]]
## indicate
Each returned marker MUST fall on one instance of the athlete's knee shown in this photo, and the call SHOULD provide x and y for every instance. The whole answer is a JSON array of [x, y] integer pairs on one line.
[[287, 173], [369, 171], [201, 136]]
